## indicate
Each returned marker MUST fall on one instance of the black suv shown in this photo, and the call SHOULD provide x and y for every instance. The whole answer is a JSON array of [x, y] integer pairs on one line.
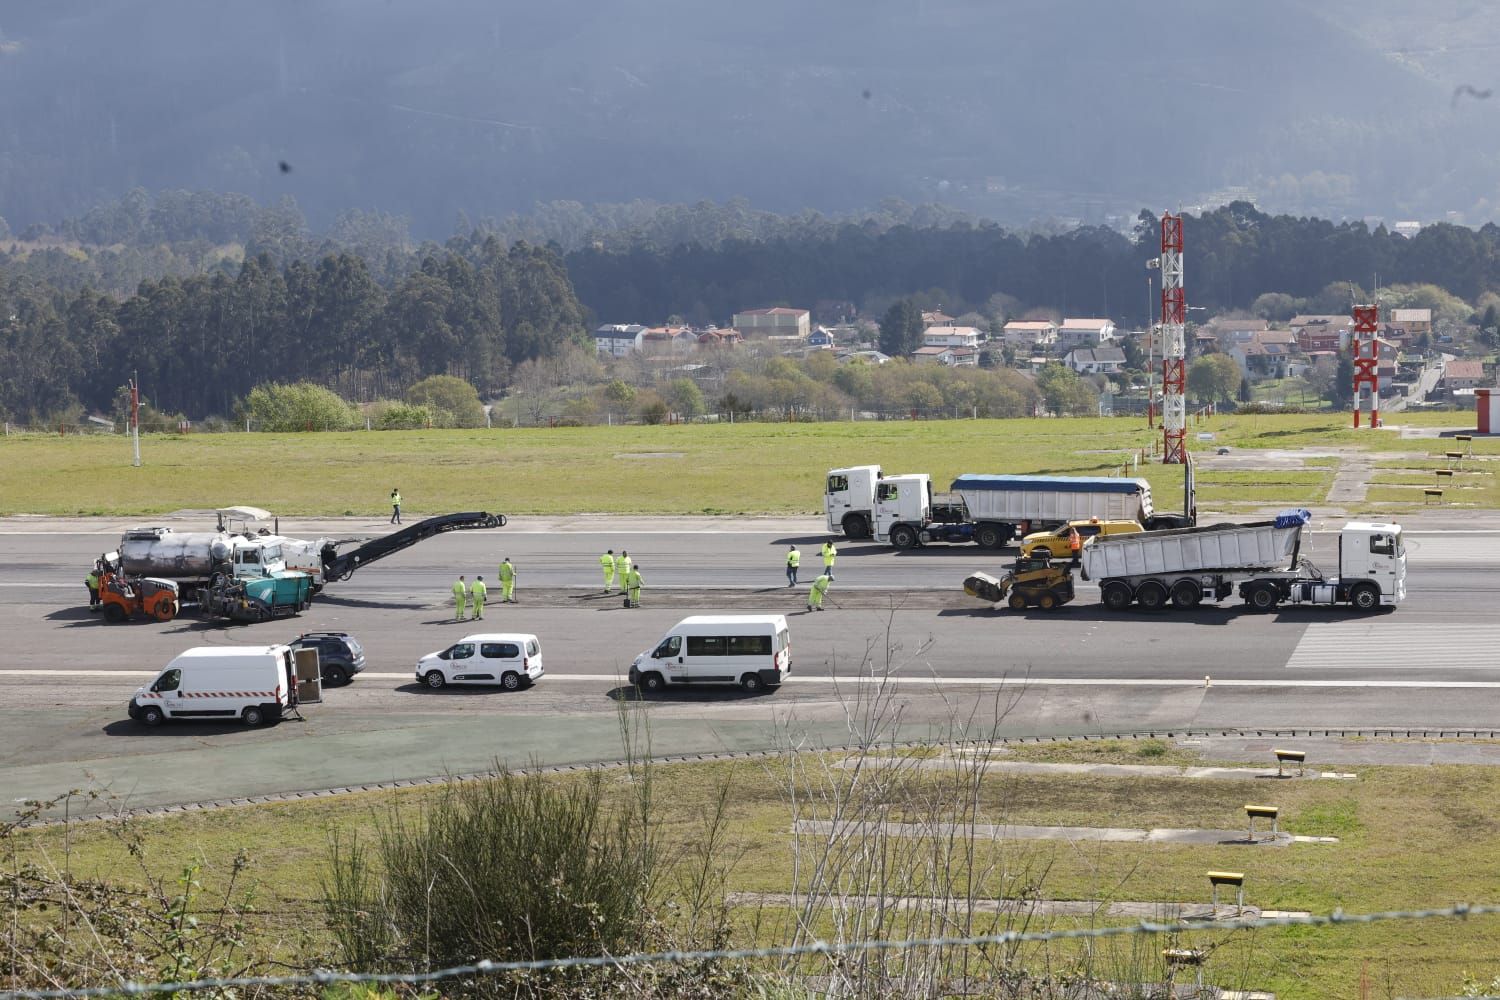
[[340, 656]]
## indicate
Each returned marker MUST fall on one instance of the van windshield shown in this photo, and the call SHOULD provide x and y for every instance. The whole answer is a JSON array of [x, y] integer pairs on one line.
[[670, 646], [171, 680]]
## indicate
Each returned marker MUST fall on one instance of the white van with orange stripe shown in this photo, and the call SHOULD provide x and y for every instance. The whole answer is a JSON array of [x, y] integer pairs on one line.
[[252, 684]]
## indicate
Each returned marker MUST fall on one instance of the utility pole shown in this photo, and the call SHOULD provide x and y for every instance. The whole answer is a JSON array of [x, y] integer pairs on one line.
[[1174, 343], [135, 416]]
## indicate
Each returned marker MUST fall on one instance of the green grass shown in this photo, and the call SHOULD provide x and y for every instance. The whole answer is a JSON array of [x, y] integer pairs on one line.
[[754, 468], [1411, 837]]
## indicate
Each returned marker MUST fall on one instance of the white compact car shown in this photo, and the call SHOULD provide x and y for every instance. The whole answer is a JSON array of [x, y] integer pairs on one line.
[[512, 660]]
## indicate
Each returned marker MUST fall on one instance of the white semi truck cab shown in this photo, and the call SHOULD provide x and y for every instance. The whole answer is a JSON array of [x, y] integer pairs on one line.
[[849, 500]]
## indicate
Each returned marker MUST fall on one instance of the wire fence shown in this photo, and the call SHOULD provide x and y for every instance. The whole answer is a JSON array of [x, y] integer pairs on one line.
[[814, 948]]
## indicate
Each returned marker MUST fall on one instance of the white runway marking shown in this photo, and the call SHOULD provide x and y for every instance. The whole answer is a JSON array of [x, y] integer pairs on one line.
[[1388, 645]]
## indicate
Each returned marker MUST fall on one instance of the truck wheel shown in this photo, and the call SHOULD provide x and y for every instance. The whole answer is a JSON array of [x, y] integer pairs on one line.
[[1365, 597], [989, 536], [151, 715], [1116, 595], [114, 613], [1017, 602], [434, 679], [652, 681], [855, 526], [752, 683], [510, 680], [253, 716], [1261, 597], [1151, 596], [1186, 594], [903, 537]]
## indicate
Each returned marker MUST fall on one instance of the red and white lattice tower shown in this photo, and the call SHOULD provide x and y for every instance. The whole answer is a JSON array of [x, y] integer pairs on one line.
[[1174, 344], [1366, 350]]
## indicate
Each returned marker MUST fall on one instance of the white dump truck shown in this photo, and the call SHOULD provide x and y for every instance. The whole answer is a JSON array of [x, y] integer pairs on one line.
[[1263, 561], [902, 510]]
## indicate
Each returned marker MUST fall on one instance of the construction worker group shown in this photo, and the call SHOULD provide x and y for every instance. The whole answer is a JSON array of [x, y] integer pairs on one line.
[[623, 574]]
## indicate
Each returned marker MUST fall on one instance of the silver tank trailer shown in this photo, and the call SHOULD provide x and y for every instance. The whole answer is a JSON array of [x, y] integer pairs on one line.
[[186, 555]]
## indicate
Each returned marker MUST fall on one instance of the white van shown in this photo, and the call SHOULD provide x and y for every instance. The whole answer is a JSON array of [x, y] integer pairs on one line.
[[254, 684], [510, 659], [752, 651]]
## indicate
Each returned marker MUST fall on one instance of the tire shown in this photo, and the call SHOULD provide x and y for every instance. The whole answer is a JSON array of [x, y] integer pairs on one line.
[[988, 536], [856, 526], [335, 676], [1116, 595], [510, 680], [1017, 602], [434, 679], [1151, 596], [1186, 594], [152, 716], [114, 613], [253, 716], [166, 611], [1261, 598], [1047, 601], [652, 682], [1365, 597], [903, 537], [752, 684]]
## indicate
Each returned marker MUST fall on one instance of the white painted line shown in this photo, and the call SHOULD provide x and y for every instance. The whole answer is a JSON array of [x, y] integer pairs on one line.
[[1019, 683]]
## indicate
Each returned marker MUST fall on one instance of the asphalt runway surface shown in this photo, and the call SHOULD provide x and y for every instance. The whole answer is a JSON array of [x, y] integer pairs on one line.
[[901, 647]]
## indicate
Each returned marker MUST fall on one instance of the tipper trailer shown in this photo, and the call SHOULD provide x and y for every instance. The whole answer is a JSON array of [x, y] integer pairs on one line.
[[1262, 561]]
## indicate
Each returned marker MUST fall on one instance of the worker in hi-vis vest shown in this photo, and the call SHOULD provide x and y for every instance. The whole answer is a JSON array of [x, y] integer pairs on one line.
[[476, 596], [622, 570], [633, 582], [507, 582], [793, 560], [460, 597], [830, 553], [819, 588], [607, 563]]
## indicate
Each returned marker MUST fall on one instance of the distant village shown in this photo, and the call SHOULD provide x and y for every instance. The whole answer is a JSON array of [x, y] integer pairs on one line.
[[1305, 346]]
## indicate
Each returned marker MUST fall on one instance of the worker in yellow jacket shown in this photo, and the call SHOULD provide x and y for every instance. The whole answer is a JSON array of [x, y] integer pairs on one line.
[[460, 597]]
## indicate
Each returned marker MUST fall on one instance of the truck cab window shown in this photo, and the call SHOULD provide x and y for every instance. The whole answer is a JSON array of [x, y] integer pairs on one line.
[[838, 484], [886, 491], [670, 646], [1382, 545], [169, 681]]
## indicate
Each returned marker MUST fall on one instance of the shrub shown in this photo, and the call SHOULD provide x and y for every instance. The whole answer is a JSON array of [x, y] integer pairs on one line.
[[451, 401], [394, 415], [302, 406]]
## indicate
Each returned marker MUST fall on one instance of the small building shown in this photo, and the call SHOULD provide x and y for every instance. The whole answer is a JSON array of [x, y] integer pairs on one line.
[[937, 318], [1412, 322], [779, 321], [667, 341], [821, 338], [1095, 360], [714, 338], [1085, 333], [1463, 375], [953, 357], [1030, 333], [618, 339], [870, 357], [951, 336]]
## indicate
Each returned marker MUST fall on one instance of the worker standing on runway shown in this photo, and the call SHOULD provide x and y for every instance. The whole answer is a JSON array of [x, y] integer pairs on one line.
[[607, 563], [460, 596], [1075, 545], [395, 506], [92, 582], [819, 588], [633, 581], [622, 569], [830, 553], [476, 595], [507, 582], [793, 560]]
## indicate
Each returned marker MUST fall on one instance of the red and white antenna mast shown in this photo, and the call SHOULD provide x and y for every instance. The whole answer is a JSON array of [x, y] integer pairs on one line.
[[1366, 350], [1174, 344]]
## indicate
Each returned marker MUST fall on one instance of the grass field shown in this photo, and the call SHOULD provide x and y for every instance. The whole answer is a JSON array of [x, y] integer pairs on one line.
[[754, 468], [1411, 837]]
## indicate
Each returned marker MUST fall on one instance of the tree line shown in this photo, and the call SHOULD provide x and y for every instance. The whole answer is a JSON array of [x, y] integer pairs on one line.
[[199, 344]]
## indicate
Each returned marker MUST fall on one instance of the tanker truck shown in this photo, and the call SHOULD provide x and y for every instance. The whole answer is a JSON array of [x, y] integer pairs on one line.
[[230, 576], [1263, 561]]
